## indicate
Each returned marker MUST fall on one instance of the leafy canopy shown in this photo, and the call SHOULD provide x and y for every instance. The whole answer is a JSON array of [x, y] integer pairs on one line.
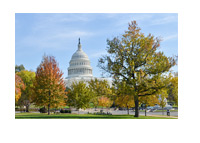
[[19, 68], [49, 88], [19, 87], [79, 95], [134, 58], [98, 88], [28, 78], [173, 89]]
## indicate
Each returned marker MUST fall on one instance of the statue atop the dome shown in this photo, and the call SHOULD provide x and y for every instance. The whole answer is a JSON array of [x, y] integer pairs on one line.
[[79, 44]]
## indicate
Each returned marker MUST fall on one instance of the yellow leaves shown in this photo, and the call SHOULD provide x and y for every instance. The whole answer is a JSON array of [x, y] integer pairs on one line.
[[149, 100], [104, 101], [125, 101]]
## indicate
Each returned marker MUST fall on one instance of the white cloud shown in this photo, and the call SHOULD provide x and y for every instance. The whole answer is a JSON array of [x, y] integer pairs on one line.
[[124, 20], [97, 55], [170, 37], [164, 20], [53, 40], [74, 18], [72, 34]]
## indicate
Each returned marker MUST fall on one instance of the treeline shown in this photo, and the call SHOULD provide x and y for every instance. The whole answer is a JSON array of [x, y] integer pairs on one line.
[[46, 88], [140, 75]]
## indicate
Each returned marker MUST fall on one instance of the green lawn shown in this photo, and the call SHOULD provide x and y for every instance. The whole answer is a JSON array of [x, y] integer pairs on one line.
[[80, 116]]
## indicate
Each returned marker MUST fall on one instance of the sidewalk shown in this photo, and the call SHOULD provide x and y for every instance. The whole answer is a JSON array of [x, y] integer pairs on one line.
[[164, 116]]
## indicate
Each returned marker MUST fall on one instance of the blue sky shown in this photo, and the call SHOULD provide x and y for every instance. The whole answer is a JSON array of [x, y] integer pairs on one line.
[[57, 34]]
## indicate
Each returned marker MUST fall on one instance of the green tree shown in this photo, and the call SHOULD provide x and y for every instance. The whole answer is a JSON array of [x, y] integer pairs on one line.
[[28, 78], [19, 68], [98, 88], [49, 87], [79, 95], [134, 59]]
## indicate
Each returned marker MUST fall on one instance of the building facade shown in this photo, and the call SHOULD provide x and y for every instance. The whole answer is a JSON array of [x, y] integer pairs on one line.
[[80, 69]]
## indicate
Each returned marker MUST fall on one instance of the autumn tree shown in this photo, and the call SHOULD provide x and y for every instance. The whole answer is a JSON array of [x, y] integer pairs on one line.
[[134, 58], [123, 95], [98, 88], [49, 88], [148, 101], [79, 95], [173, 90], [26, 97], [19, 86], [125, 101], [104, 101]]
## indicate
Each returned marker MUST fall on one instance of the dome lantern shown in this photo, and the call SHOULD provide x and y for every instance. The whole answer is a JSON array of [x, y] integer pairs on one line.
[[79, 44]]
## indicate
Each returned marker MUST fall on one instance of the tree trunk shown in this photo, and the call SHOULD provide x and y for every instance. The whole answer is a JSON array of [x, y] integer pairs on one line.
[[136, 107], [162, 111], [49, 103], [145, 110], [27, 108], [127, 110], [48, 109]]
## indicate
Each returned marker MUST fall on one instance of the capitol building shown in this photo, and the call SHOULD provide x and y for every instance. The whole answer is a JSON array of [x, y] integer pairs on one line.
[[80, 69]]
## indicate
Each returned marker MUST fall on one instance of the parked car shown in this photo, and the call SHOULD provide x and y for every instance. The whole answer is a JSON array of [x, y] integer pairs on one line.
[[150, 108]]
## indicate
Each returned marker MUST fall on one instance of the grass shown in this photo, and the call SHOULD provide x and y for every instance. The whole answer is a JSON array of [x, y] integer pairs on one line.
[[80, 116]]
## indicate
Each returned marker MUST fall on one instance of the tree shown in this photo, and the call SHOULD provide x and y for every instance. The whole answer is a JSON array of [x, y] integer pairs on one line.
[[19, 68], [148, 101], [19, 86], [49, 88], [98, 88], [79, 95], [134, 58], [123, 96], [28, 77], [104, 101], [173, 90], [125, 101]]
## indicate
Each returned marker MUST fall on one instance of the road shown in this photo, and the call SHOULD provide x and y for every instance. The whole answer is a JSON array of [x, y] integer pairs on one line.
[[118, 112], [124, 112]]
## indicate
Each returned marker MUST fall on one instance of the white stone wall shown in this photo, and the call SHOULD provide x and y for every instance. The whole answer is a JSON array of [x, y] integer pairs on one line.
[[69, 81]]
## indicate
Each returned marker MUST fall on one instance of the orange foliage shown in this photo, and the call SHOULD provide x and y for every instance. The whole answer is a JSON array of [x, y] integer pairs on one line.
[[49, 85], [104, 101], [19, 86]]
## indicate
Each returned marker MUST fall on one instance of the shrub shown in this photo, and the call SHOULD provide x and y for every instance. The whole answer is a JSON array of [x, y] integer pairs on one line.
[[102, 113], [43, 110], [62, 111], [65, 111]]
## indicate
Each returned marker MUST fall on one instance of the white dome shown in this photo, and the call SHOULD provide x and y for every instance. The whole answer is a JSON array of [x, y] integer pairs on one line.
[[79, 54], [79, 64]]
